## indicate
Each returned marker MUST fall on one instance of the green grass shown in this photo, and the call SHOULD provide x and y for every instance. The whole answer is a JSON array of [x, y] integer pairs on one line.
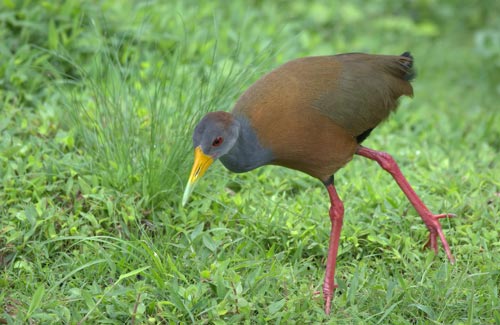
[[98, 103]]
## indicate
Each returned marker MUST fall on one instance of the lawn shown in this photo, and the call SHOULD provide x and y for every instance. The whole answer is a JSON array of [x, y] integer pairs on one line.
[[98, 101]]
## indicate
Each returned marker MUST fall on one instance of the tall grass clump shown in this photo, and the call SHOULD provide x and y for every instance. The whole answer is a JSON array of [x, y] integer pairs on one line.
[[135, 119]]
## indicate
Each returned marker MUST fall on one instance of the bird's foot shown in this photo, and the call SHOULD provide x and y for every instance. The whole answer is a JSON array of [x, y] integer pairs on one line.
[[432, 222], [328, 292]]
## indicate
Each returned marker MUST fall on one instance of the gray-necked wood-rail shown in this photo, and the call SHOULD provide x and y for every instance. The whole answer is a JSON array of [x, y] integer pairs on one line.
[[311, 114]]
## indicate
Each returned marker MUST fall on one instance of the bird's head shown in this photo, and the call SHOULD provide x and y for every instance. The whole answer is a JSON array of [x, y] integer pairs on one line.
[[213, 137]]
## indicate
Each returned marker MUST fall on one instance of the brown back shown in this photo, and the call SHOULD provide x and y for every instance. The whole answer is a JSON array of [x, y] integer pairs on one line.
[[366, 91]]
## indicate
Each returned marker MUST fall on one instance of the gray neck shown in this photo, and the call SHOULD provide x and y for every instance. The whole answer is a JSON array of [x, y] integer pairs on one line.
[[247, 153]]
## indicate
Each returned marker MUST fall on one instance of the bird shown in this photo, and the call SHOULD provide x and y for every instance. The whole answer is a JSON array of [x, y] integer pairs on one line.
[[312, 114]]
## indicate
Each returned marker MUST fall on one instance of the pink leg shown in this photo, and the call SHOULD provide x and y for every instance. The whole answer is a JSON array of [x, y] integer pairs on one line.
[[430, 220], [336, 216]]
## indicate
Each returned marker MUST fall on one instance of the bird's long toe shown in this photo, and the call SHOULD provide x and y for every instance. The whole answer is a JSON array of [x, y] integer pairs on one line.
[[328, 304], [432, 242], [444, 215]]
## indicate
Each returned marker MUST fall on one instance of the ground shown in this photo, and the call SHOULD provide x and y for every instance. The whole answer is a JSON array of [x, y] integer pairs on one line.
[[98, 104]]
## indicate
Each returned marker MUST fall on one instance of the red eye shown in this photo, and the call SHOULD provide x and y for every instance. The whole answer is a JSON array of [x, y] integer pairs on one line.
[[217, 141]]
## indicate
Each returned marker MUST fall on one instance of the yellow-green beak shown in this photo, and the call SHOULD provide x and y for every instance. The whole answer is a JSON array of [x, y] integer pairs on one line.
[[200, 166]]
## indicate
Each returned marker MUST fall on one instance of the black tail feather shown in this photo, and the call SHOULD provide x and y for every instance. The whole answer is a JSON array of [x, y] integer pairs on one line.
[[408, 65]]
